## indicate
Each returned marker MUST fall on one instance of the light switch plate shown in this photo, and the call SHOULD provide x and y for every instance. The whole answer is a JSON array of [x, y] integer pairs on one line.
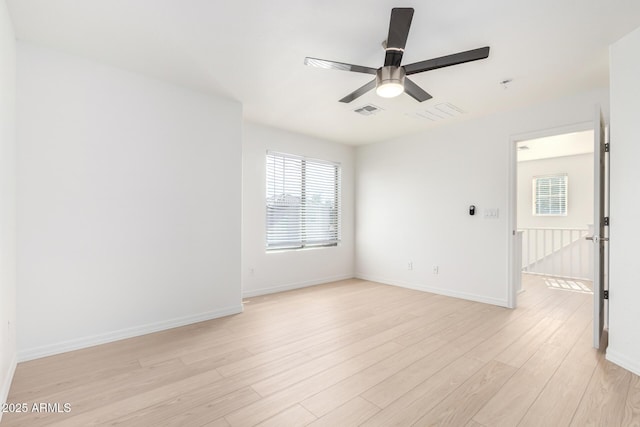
[[492, 213]]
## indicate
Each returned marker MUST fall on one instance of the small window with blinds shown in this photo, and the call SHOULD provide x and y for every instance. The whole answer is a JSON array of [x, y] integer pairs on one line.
[[303, 202], [550, 195]]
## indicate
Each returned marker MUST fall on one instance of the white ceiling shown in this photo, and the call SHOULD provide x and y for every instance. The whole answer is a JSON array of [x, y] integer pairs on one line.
[[253, 51], [568, 144]]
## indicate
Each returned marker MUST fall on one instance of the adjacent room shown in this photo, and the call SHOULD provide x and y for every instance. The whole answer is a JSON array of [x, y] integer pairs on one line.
[[299, 213]]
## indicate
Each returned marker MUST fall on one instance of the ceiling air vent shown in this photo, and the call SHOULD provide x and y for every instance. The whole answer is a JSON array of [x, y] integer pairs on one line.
[[368, 110], [439, 112]]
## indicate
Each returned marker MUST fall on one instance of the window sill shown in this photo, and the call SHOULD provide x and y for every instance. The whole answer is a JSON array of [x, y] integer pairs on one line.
[[309, 248]]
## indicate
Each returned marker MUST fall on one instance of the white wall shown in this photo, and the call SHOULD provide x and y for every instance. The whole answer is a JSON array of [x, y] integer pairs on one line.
[[579, 168], [129, 204], [413, 195], [276, 271], [7, 202], [624, 303]]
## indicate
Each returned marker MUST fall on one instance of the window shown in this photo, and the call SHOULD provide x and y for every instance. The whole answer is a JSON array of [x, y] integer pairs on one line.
[[550, 195], [303, 202]]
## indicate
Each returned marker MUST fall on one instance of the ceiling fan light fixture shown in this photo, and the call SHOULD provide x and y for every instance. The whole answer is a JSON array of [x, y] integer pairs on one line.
[[390, 81], [389, 90]]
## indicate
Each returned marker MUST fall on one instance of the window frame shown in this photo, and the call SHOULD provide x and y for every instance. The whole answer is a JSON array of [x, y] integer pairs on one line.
[[335, 211], [535, 196]]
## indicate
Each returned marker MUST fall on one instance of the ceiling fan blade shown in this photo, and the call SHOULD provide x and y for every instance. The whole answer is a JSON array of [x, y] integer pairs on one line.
[[333, 65], [415, 91], [447, 61], [398, 33], [359, 92]]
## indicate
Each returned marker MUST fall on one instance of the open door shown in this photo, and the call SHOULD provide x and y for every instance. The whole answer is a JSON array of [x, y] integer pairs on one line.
[[600, 237]]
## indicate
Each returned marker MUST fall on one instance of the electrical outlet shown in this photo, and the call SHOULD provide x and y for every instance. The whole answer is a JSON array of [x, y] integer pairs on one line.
[[436, 269], [410, 265]]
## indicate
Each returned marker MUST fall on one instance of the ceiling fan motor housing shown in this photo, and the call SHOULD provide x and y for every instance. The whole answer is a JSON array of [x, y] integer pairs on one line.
[[391, 79]]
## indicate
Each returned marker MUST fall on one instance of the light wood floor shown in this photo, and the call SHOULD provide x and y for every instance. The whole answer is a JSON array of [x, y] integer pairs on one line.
[[343, 354]]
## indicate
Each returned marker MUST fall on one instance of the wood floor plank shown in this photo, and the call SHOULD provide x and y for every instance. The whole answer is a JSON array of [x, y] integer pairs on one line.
[[391, 315], [392, 388], [509, 405], [351, 414], [324, 344], [448, 323], [217, 423], [248, 378], [261, 329], [413, 404], [26, 387], [632, 406], [557, 403], [333, 397], [274, 403], [326, 361], [120, 407], [521, 350], [347, 353], [502, 339], [336, 317], [461, 342], [193, 408], [440, 316], [296, 416], [461, 405], [604, 401], [90, 396]]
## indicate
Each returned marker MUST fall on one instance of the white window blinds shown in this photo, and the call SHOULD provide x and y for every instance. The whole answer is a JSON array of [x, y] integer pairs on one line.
[[550, 195], [303, 202]]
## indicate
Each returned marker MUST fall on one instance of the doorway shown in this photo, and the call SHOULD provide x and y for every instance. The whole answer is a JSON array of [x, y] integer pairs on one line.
[[540, 162], [555, 247], [555, 192]]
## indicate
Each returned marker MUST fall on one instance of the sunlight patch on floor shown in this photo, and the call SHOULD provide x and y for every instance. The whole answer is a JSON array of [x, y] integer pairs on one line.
[[568, 285]]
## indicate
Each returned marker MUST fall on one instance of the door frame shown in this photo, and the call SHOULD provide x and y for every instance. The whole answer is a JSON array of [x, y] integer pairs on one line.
[[514, 272]]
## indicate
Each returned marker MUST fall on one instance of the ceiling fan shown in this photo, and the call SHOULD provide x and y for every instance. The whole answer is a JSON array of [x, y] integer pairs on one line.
[[391, 78]]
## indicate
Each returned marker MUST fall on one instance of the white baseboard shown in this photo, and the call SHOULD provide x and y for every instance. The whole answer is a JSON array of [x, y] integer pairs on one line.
[[296, 285], [6, 385], [90, 341], [435, 290], [623, 361]]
